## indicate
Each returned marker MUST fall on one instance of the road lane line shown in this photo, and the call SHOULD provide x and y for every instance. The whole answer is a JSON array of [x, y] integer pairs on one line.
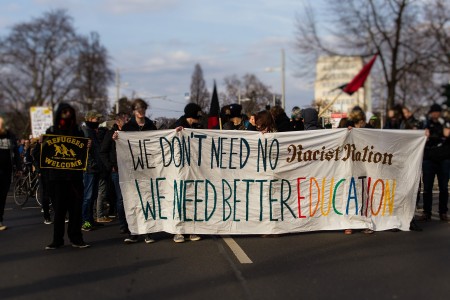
[[237, 250]]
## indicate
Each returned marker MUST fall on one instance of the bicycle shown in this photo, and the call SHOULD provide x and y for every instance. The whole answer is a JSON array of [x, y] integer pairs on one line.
[[26, 186]]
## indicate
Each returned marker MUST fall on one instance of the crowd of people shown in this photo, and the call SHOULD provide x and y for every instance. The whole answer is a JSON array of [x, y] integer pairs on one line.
[[86, 200]]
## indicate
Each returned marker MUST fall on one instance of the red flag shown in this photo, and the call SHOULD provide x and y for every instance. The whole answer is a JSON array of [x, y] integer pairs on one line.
[[214, 110], [359, 79]]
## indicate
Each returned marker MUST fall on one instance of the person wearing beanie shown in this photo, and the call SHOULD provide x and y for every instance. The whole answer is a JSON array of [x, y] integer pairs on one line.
[[436, 163], [95, 175], [235, 121], [191, 117]]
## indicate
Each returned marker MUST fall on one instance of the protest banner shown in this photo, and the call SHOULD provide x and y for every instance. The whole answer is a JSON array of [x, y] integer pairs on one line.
[[41, 119], [64, 152], [242, 182]]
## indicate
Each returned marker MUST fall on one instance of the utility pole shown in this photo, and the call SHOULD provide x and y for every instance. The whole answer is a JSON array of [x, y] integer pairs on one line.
[[283, 92], [117, 90]]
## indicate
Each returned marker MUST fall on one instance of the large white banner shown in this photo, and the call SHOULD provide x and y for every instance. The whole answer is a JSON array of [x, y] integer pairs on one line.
[[239, 182]]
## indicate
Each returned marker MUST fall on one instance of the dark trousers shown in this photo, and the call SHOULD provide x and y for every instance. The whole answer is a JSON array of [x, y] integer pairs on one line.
[[5, 183], [68, 197], [45, 193], [430, 170], [120, 209]]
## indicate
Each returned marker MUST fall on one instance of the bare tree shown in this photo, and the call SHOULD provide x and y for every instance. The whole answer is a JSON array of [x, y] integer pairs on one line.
[[93, 74], [251, 92], [38, 62], [393, 28], [199, 92], [44, 62]]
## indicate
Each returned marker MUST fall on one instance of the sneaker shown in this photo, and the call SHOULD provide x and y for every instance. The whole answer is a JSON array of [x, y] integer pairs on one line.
[[367, 231], [53, 246], [149, 239], [104, 220], [131, 239], [425, 217], [443, 217], [80, 245], [195, 237], [48, 221], [66, 220], [2, 226], [178, 238], [414, 227], [87, 226]]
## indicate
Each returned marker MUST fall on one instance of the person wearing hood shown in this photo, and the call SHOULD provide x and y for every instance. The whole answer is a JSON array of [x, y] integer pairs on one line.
[[191, 117], [310, 119], [9, 157], [67, 184]]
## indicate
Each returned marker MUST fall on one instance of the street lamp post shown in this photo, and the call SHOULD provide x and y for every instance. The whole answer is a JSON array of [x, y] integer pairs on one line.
[[282, 71]]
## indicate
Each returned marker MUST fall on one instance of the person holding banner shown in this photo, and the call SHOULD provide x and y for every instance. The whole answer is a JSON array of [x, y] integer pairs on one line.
[[67, 184], [9, 156], [190, 119], [357, 119], [138, 122]]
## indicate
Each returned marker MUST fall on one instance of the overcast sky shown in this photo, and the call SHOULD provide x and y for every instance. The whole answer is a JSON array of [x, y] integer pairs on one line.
[[156, 43]]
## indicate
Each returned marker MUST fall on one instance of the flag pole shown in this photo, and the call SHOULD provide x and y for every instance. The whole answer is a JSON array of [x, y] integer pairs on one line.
[[329, 104]]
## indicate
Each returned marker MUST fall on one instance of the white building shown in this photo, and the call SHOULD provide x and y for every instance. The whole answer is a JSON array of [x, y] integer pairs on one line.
[[335, 71]]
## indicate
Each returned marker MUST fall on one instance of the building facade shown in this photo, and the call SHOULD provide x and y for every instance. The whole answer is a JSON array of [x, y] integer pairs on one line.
[[333, 72]]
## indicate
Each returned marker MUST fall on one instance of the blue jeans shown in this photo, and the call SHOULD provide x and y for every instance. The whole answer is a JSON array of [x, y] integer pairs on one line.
[[430, 169], [120, 209], [90, 181]]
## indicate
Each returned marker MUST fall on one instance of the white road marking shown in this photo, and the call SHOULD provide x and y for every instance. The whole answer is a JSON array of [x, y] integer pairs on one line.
[[237, 250]]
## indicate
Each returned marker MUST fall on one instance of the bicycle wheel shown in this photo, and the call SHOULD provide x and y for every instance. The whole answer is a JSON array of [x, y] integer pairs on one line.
[[38, 193], [21, 191]]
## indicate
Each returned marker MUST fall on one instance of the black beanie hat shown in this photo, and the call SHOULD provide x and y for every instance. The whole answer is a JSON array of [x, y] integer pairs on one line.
[[435, 107], [193, 110], [235, 110]]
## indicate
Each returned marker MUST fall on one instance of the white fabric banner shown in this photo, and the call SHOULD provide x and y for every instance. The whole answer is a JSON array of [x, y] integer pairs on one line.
[[243, 182]]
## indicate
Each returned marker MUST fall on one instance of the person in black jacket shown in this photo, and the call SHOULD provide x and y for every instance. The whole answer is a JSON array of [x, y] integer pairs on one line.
[[436, 163], [109, 157], [191, 117], [138, 122], [67, 184], [9, 156], [282, 121]]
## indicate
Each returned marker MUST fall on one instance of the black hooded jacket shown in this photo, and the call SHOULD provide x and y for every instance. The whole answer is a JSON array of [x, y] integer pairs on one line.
[[310, 119]]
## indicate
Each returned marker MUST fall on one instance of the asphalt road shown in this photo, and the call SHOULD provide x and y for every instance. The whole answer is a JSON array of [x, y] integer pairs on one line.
[[317, 265]]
